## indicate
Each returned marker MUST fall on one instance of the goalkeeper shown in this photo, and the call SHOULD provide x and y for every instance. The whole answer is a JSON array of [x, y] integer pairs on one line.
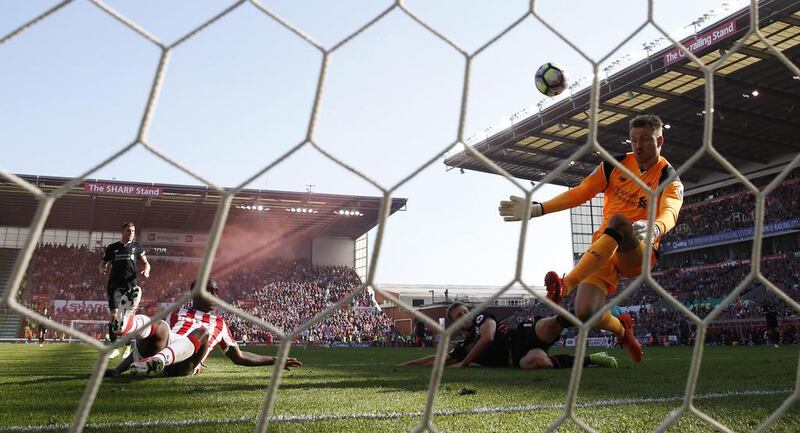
[[618, 245]]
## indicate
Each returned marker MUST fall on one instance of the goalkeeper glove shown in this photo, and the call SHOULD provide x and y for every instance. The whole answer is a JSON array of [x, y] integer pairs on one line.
[[514, 209], [640, 230]]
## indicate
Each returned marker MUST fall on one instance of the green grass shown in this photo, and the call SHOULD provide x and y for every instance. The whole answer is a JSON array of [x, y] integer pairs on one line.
[[42, 386]]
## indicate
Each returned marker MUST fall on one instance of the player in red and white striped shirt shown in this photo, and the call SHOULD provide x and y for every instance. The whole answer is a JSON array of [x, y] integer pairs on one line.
[[180, 347], [186, 320]]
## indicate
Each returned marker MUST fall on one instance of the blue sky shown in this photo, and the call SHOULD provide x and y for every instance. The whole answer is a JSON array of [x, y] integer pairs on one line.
[[239, 94]]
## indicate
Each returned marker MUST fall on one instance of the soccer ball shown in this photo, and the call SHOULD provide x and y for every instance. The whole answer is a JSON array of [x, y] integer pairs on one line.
[[550, 79]]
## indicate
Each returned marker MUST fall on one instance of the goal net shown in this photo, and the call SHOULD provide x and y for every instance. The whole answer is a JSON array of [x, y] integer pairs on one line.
[[88, 330]]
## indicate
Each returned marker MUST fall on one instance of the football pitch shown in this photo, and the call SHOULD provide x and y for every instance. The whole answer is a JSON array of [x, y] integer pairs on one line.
[[361, 390]]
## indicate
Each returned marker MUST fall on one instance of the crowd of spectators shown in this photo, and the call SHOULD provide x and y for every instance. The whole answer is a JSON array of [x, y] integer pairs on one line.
[[286, 293], [297, 291], [64, 272], [759, 182], [734, 208]]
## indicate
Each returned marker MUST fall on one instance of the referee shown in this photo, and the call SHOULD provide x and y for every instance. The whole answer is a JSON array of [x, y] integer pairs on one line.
[[123, 289]]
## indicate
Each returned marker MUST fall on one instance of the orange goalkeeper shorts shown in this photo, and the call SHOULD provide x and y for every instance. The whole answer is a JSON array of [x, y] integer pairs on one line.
[[627, 264]]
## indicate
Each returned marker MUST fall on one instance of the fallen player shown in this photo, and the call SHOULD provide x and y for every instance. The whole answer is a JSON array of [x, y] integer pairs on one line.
[[525, 346], [181, 347]]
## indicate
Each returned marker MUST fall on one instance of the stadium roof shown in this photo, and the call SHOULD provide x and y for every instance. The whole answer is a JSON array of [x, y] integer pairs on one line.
[[190, 208], [752, 132]]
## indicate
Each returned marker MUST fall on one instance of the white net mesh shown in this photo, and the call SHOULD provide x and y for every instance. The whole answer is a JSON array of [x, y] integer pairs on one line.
[[707, 148]]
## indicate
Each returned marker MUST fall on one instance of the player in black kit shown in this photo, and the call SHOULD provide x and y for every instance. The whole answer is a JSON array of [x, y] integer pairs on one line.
[[43, 328], [123, 288], [773, 332], [525, 345]]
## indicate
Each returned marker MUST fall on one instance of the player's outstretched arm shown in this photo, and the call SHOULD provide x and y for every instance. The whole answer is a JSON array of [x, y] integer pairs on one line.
[[513, 209], [426, 361], [249, 359]]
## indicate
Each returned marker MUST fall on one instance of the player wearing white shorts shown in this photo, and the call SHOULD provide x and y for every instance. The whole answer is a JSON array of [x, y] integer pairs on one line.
[[181, 347]]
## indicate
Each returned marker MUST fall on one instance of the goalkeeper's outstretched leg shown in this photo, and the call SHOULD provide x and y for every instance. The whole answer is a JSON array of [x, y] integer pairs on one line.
[[615, 251]]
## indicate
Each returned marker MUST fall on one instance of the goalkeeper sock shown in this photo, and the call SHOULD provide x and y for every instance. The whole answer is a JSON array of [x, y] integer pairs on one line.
[[611, 324], [596, 256]]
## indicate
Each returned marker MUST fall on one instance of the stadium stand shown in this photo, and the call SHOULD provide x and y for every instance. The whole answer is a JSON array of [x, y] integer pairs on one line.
[[173, 222], [9, 323], [290, 292], [733, 208], [296, 291], [284, 292]]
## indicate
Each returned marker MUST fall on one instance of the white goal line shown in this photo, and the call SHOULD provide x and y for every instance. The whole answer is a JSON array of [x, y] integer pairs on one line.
[[389, 415]]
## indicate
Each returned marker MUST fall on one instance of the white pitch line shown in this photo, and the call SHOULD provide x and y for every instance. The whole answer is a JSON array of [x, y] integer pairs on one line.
[[387, 415]]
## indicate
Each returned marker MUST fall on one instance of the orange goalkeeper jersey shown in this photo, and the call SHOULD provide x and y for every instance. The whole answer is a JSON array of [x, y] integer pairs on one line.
[[623, 196]]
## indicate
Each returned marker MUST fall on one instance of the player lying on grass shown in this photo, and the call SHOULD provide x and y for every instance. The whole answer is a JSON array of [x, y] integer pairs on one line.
[[490, 344], [181, 347], [618, 245]]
